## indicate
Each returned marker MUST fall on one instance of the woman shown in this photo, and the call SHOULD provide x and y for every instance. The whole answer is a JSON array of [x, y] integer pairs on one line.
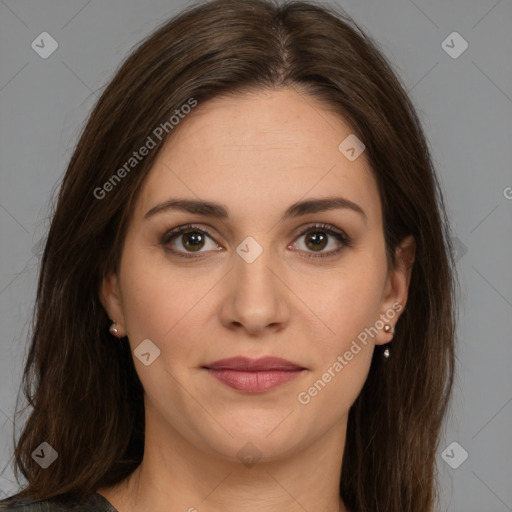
[[303, 359]]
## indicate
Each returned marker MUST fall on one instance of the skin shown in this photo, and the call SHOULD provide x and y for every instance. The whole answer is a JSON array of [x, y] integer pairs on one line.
[[256, 154]]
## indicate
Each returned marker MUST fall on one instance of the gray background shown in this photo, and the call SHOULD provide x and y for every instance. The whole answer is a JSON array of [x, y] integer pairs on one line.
[[465, 104]]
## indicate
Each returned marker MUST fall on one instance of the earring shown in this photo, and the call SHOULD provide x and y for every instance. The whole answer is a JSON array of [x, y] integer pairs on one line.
[[113, 329], [389, 329]]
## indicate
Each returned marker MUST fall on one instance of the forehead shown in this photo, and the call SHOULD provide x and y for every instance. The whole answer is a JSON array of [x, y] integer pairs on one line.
[[260, 151]]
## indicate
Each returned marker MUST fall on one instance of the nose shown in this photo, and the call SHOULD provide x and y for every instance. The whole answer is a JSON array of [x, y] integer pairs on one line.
[[257, 299]]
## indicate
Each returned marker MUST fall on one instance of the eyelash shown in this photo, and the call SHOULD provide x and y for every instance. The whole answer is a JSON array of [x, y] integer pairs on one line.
[[326, 228]]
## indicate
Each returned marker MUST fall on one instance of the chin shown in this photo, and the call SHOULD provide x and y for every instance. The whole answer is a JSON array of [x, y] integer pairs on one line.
[[264, 443]]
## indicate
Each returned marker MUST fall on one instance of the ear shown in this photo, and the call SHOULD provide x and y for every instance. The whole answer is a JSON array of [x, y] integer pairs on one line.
[[397, 287], [110, 298]]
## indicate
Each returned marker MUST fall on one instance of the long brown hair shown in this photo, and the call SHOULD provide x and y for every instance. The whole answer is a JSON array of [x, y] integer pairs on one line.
[[85, 397]]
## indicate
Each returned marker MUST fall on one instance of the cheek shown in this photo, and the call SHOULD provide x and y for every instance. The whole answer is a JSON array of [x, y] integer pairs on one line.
[[166, 305], [350, 306], [343, 357], [350, 300], [153, 302], [333, 389]]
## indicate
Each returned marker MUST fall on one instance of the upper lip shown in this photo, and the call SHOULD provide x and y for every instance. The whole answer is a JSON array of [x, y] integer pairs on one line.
[[253, 365]]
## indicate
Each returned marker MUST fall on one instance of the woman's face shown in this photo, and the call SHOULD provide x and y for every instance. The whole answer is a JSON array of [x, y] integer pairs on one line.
[[259, 281]]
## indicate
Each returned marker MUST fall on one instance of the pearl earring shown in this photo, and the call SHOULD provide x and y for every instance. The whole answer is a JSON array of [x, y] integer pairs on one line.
[[113, 329], [389, 329]]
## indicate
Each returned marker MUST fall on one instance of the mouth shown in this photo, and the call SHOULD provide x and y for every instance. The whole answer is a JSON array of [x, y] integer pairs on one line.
[[254, 375]]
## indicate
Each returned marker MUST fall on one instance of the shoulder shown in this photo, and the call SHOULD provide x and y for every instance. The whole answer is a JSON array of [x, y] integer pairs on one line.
[[93, 503], [23, 504]]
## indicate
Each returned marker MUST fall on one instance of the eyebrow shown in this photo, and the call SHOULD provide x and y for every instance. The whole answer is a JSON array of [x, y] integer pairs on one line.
[[219, 211]]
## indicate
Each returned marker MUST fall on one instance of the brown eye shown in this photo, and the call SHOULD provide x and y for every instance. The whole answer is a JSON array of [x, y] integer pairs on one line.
[[188, 239], [320, 236], [184, 241], [316, 240], [193, 240]]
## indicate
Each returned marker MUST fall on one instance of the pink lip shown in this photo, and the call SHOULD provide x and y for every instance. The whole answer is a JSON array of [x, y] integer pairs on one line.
[[254, 375]]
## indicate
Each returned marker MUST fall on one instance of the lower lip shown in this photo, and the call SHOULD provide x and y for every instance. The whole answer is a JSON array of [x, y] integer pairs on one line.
[[254, 382]]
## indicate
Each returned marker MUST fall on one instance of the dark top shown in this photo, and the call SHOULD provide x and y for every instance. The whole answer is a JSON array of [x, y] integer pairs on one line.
[[93, 503]]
